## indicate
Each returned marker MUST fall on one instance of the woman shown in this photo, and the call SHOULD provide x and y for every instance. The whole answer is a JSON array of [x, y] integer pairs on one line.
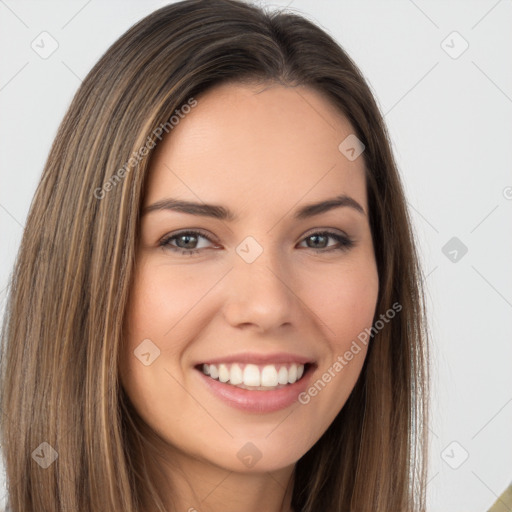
[[217, 303]]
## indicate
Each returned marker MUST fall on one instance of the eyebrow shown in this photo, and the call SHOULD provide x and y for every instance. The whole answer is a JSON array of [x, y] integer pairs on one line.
[[222, 213]]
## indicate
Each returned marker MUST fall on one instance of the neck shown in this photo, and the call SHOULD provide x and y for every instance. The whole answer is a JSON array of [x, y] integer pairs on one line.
[[194, 485]]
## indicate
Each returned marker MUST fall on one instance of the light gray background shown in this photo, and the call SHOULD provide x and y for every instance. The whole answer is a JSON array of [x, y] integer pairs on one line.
[[450, 120]]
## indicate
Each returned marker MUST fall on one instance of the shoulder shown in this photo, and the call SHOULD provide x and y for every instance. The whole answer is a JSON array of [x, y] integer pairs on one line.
[[504, 502]]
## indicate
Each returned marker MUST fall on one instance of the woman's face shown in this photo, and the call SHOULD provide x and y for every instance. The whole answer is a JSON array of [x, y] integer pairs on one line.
[[259, 291]]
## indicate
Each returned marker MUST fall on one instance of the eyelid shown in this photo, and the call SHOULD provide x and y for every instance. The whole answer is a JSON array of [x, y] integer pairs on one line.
[[324, 230], [176, 234], [345, 242], [211, 238]]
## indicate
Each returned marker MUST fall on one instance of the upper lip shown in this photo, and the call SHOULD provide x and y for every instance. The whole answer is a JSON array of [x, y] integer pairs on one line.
[[254, 358]]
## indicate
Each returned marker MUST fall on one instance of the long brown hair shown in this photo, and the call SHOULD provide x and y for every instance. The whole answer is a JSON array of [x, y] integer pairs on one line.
[[63, 325]]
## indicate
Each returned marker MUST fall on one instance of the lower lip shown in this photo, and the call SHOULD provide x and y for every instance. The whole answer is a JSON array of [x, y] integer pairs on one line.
[[258, 401]]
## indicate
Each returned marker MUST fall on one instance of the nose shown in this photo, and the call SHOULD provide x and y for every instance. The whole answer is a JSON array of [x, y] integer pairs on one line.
[[261, 294]]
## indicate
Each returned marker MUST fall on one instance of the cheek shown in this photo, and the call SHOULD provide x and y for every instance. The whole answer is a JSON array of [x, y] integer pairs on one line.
[[159, 310], [162, 299], [345, 301], [163, 309]]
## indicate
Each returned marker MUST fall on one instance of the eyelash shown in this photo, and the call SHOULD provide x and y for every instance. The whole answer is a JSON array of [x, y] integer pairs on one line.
[[346, 243]]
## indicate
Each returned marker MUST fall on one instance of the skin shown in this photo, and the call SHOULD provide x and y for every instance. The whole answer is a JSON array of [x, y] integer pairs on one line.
[[262, 152]]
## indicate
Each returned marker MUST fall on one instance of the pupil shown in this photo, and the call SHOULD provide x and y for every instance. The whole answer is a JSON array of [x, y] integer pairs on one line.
[[317, 237], [187, 239]]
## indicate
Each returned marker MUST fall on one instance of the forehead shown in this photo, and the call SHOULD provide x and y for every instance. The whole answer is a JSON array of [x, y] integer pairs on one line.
[[244, 144]]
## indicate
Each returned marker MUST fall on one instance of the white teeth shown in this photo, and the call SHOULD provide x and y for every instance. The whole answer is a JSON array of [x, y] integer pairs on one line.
[[292, 374], [214, 372], [223, 373], [269, 376], [236, 376], [254, 376], [282, 375]]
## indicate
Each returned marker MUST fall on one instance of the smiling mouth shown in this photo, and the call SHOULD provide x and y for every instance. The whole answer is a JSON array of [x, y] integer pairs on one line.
[[256, 377]]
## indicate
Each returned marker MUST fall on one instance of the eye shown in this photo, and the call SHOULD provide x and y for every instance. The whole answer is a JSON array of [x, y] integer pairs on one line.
[[186, 242], [320, 241]]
